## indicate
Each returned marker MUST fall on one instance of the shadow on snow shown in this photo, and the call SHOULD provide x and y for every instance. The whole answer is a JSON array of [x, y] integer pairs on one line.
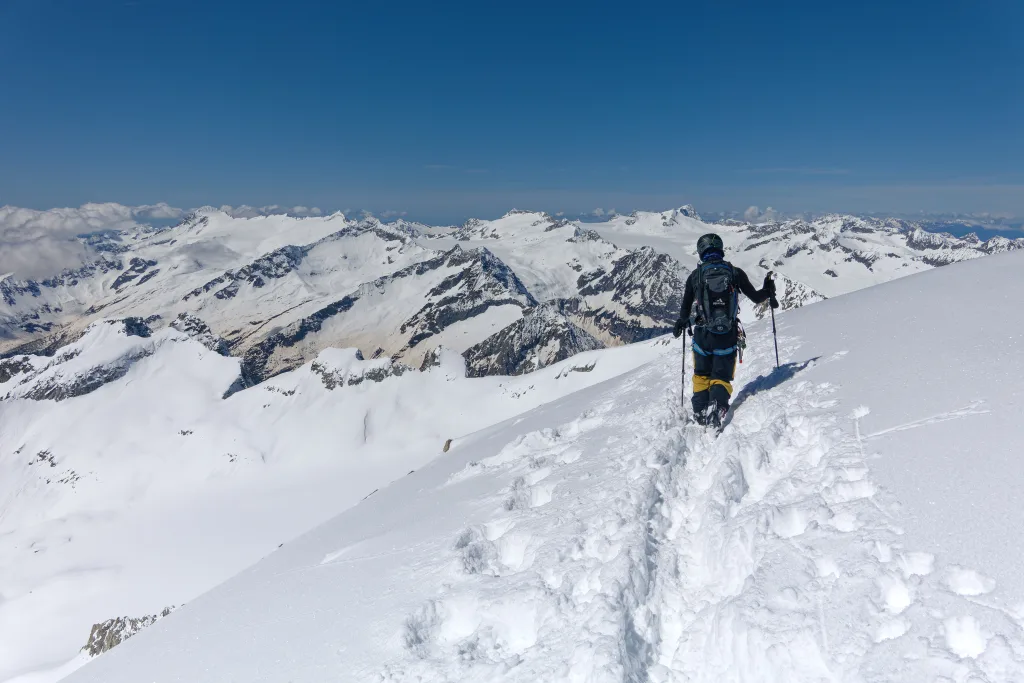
[[777, 376]]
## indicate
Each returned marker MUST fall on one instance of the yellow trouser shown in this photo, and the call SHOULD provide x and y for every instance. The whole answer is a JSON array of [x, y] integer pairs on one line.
[[702, 383]]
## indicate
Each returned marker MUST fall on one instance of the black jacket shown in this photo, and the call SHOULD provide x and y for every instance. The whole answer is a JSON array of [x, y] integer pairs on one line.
[[742, 282]]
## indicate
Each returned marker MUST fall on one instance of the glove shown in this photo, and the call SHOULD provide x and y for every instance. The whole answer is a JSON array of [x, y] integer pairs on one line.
[[769, 285], [682, 324]]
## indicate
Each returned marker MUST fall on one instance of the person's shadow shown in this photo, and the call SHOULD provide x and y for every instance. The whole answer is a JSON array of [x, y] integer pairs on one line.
[[781, 374]]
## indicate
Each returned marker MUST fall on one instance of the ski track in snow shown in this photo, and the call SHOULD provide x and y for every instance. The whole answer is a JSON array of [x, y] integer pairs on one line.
[[973, 409], [644, 549]]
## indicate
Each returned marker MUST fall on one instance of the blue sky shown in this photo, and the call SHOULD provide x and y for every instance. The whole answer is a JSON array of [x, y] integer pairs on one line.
[[446, 110]]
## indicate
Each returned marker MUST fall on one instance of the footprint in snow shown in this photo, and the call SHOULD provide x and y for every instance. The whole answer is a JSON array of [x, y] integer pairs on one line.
[[493, 549], [967, 582], [965, 637]]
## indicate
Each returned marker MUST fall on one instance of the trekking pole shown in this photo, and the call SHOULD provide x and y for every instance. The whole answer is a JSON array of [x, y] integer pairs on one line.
[[771, 276], [682, 388]]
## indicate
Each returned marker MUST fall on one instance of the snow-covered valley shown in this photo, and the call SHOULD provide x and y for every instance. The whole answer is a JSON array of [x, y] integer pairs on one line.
[[851, 523]]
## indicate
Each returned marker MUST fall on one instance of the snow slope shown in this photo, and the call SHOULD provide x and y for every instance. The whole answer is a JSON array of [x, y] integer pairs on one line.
[[854, 522], [127, 484]]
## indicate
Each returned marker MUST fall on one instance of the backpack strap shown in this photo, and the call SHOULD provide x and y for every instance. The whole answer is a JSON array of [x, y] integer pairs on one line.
[[715, 352]]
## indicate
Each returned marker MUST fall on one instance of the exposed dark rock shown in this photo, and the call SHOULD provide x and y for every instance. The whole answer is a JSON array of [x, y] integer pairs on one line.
[[481, 281], [111, 633], [137, 327], [195, 328], [544, 335], [334, 378], [44, 457], [866, 260], [790, 294], [60, 388], [10, 367], [646, 288], [431, 359], [109, 241], [279, 263], [136, 267], [11, 290], [255, 360], [147, 277], [584, 235], [45, 346], [484, 281]]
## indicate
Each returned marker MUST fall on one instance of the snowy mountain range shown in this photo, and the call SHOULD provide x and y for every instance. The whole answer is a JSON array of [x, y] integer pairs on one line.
[[201, 394], [277, 289]]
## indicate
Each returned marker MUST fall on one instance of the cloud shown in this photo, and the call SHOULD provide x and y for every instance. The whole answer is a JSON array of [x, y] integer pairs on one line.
[[37, 244], [391, 213], [754, 214], [158, 211], [246, 211], [597, 213], [560, 213]]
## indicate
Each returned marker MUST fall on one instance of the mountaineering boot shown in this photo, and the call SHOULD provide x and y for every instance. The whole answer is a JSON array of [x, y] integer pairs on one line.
[[716, 416]]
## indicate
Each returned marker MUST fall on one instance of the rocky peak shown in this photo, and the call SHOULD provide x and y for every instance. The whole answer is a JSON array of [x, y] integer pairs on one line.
[[347, 367], [544, 335], [108, 634]]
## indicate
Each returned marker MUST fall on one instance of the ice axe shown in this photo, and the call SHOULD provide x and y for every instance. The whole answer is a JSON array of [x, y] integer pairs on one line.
[[771, 278]]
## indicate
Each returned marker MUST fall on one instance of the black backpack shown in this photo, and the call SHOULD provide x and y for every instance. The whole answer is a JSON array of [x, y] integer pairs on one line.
[[717, 301]]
